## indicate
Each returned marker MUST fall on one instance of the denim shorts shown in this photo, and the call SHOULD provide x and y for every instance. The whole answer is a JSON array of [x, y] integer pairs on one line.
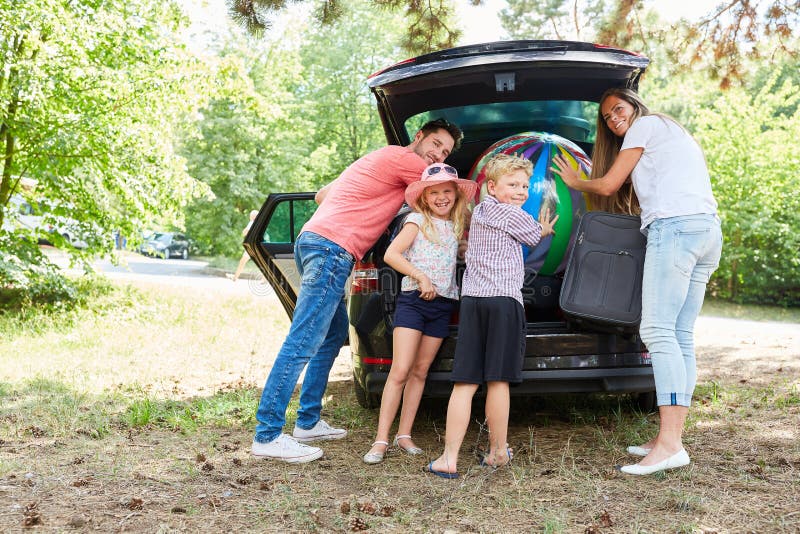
[[491, 341], [431, 317]]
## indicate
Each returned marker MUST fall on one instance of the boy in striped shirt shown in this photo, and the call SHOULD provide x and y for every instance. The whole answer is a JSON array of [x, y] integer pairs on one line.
[[491, 340]]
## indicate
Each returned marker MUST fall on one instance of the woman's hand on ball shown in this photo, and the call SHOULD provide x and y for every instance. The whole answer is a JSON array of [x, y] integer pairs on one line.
[[565, 170]]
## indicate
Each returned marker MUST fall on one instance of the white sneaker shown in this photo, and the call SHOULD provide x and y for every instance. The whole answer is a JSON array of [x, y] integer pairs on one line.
[[287, 449], [321, 430]]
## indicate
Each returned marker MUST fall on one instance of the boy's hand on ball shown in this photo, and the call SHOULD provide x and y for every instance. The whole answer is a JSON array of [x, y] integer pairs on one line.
[[547, 223]]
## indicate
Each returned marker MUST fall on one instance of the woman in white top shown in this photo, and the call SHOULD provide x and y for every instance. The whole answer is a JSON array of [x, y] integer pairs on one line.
[[672, 190]]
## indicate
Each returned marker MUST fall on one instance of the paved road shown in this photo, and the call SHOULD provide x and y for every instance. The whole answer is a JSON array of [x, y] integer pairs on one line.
[[174, 272]]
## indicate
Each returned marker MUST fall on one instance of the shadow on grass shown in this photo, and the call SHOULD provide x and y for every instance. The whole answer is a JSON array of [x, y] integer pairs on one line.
[[42, 407]]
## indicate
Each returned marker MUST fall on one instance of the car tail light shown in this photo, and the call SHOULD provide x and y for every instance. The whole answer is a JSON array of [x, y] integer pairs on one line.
[[365, 278], [376, 361]]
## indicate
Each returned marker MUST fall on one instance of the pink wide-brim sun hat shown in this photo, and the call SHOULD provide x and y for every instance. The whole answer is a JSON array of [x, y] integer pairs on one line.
[[445, 174]]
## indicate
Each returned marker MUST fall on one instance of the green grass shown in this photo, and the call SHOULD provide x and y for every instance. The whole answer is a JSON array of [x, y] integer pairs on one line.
[[133, 356], [140, 381], [100, 365], [751, 312]]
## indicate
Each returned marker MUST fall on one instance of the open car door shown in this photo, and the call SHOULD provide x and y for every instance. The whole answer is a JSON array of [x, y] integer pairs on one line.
[[270, 242]]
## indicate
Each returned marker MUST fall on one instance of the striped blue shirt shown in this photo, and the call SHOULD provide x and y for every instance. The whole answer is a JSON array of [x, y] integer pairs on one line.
[[495, 265]]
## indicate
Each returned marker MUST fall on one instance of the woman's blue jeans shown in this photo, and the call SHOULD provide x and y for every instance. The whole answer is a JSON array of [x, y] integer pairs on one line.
[[682, 254], [319, 328]]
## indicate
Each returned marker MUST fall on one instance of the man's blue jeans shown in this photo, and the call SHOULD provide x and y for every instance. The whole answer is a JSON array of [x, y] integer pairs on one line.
[[319, 328], [682, 254]]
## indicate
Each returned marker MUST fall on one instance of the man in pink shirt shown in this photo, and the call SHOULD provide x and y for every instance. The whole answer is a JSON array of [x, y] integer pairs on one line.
[[354, 210]]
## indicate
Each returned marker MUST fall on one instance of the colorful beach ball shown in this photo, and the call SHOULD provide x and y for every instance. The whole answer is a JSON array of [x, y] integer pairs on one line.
[[547, 190]]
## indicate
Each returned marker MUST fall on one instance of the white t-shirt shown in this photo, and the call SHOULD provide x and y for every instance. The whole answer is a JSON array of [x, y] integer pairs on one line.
[[671, 178]]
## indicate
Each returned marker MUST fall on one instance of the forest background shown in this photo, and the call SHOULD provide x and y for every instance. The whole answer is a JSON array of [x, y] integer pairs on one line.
[[126, 120]]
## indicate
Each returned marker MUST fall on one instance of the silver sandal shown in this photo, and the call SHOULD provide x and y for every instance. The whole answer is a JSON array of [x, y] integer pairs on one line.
[[376, 457], [409, 450]]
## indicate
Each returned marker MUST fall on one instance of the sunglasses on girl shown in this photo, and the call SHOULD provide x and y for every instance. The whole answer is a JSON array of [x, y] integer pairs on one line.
[[446, 168]]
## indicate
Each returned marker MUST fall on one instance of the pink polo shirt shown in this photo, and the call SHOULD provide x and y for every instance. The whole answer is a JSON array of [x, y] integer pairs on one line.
[[364, 199]]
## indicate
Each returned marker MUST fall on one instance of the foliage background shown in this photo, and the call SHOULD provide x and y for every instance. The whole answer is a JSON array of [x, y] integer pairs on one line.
[[126, 127]]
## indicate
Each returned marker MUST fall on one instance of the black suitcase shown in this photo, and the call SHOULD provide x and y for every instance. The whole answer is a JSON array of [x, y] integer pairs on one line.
[[602, 288]]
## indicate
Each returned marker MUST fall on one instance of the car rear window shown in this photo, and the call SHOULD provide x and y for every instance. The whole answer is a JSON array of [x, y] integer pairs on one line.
[[486, 123]]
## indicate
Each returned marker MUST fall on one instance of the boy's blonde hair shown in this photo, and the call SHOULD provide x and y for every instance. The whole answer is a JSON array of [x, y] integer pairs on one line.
[[458, 216], [502, 164]]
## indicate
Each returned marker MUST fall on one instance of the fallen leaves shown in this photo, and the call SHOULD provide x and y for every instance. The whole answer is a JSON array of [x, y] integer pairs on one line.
[[36, 432], [358, 524], [31, 515], [603, 520]]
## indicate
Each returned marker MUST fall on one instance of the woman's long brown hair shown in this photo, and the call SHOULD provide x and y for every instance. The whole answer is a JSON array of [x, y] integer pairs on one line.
[[606, 149]]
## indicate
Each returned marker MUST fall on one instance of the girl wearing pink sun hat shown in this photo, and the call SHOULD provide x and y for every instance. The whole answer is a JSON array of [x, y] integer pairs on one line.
[[425, 251], [438, 173]]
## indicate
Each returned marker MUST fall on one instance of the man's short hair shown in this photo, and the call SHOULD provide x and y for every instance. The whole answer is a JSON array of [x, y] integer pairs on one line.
[[443, 124], [502, 164]]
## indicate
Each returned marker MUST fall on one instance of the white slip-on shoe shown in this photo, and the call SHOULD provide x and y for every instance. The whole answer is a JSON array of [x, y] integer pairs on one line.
[[679, 459], [287, 449], [638, 451], [321, 430]]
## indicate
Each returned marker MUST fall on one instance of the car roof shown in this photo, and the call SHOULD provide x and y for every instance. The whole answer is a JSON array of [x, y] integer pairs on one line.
[[505, 71]]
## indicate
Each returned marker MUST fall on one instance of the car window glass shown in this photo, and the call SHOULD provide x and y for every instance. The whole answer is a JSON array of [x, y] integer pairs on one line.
[[287, 220], [573, 119]]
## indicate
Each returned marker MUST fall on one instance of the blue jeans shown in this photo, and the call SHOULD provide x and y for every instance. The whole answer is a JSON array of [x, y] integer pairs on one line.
[[319, 328], [682, 254]]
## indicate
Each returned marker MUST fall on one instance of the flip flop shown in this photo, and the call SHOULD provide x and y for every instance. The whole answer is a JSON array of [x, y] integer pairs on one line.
[[444, 474], [484, 463]]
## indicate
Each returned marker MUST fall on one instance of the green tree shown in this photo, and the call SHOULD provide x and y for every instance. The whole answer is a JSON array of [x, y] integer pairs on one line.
[[90, 92], [552, 19], [428, 25], [748, 137], [241, 143], [298, 114], [720, 43], [337, 60]]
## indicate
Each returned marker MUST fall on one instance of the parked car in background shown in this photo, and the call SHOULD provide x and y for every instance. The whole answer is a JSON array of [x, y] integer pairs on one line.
[[21, 215], [166, 245], [32, 217], [491, 91]]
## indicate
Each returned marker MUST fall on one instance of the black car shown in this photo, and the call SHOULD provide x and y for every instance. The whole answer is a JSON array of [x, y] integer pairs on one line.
[[491, 91], [166, 245]]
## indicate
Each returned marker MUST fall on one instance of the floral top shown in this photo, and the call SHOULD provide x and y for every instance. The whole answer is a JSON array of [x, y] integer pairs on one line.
[[436, 260]]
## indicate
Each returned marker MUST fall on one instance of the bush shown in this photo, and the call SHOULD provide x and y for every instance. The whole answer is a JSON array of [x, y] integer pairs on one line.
[[749, 140], [29, 278]]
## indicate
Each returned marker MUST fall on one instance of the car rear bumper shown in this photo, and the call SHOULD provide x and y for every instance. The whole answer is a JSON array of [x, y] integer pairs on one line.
[[534, 382]]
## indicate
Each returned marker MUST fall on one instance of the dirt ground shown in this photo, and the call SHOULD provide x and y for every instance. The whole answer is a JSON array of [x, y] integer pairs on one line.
[[745, 475]]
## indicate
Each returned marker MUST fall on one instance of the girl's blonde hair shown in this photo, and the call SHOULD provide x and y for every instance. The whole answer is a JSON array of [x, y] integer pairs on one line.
[[458, 216]]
